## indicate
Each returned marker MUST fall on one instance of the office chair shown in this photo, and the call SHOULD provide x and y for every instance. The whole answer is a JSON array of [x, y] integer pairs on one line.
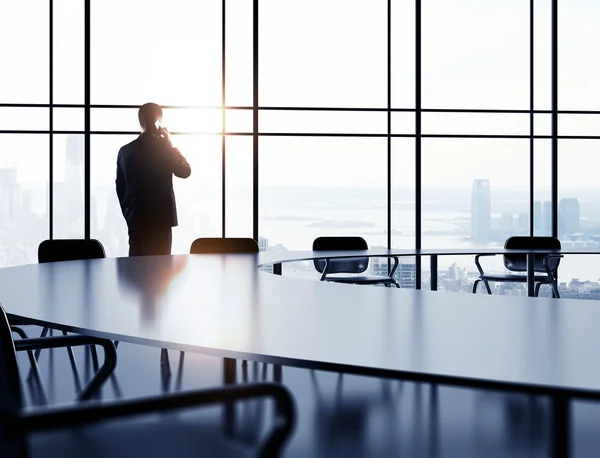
[[70, 250], [210, 245], [88, 432], [57, 250], [544, 264], [223, 245], [349, 267]]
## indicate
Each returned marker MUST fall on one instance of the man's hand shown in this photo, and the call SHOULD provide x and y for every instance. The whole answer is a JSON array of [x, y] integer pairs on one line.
[[165, 135]]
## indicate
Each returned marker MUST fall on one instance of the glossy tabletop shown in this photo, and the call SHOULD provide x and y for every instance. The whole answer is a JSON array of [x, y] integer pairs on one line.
[[223, 305]]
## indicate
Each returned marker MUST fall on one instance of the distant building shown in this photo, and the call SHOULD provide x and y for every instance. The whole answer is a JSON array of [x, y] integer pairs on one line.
[[405, 275], [523, 224], [537, 217], [568, 216], [74, 177], [481, 211], [583, 286], [9, 195], [546, 228], [508, 222], [263, 243]]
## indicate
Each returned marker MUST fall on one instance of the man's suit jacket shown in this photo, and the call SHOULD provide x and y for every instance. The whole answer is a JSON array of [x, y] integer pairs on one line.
[[145, 169]]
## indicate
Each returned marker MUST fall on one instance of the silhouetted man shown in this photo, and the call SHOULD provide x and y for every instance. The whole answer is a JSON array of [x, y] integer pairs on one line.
[[145, 169]]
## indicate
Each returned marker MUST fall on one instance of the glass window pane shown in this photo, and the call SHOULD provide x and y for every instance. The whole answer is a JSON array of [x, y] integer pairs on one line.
[[542, 54], [239, 198], [239, 120], [24, 34], [469, 58], [403, 123], [542, 208], [107, 223], [579, 215], [23, 197], [578, 187], [193, 120], [239, 53], [572, 124], [475, 123], [322, 186], [578, 71], [175, 119], [69, 119], [542, 124], [198, 197], [472, 199], [323, 122], [117, 119], [148, 51], [68, 205], [403, 53], [315, 53], [68, 51], [24, 118], [403, 192]]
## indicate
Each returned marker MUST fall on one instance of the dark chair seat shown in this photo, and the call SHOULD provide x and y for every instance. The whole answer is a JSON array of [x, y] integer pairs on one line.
[[359, 279], [217, 245], [349, 270], [513, 278], [141, 425], [545, 266], [70, 250], [207, 245], [60, 250]]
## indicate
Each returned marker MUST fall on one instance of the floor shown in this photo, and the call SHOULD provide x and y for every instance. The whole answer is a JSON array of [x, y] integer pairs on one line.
[[341, 415]]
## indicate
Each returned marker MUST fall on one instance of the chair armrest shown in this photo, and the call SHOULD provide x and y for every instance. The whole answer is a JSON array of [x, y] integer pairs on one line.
[[395, 266], [32, 362], [479, 268], [546, 262], [21, 332], [61, 417], [96, 382], [325, 269]]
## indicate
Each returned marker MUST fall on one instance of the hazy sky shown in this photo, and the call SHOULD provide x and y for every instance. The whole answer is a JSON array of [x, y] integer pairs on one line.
[[312, 53]]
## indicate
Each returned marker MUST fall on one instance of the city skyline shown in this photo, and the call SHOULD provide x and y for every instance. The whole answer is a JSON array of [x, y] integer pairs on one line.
[[358, 210]]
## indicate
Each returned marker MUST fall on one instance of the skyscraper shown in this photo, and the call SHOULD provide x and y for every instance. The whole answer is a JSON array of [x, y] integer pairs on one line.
[[73, 176], [481, 210], [523, 224], [546, 228], [405, 274], [9, 194], [568, 216], [508, 220], [537, 217]]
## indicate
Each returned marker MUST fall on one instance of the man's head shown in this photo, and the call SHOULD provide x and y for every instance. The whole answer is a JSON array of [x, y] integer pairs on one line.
[[148, 114]]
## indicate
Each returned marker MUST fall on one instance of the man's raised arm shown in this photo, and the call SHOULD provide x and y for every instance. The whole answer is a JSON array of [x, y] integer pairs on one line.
[[181, 167], [121, 186]]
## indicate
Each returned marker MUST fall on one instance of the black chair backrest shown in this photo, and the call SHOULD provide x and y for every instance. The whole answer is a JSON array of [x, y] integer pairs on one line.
[[70, 250], [10, 390], [223, 245], [344, 265], [518, 262]]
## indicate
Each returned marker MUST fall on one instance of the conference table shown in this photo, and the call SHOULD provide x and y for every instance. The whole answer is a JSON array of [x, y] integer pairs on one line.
[[224, 305]]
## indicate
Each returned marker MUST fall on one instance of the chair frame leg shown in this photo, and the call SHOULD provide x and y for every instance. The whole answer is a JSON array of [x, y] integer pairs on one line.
[[554, 286], [487, 286]]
